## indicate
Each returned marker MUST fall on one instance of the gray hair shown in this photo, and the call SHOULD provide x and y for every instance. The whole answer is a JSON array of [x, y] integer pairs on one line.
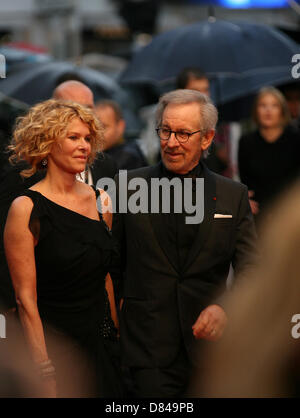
[[208, 111]]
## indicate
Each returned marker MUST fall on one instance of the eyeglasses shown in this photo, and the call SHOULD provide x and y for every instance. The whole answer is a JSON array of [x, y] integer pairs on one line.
[[164, 134]]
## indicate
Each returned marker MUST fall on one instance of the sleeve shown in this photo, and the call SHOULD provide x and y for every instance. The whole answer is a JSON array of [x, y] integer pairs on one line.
[[245, 253], [243, 161], [39, 213]]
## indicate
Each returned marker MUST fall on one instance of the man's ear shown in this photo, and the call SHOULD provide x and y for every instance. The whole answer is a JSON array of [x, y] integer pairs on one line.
[[121, 127], [207, 139]]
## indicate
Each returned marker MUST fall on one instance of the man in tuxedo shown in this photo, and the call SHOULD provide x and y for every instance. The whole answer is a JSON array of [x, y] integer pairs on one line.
[[175, 272]]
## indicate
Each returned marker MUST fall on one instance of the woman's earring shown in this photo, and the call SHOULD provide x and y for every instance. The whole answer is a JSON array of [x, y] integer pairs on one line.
[[44, 162]]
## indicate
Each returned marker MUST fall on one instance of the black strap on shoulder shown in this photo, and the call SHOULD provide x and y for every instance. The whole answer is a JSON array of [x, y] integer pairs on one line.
[[97, 191], [99, 205]]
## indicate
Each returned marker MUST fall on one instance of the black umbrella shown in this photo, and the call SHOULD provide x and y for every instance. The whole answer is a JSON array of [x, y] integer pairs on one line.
[[238, 57], [34, 82], [15, 55]]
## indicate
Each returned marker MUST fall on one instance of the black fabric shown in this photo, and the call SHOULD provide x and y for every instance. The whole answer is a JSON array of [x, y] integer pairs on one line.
[[168, 382], [127, 156], [73, 255], [268, 168], [103, 166], [180, 234]]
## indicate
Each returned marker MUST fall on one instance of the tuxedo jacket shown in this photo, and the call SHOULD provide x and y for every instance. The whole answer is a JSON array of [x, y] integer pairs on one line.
[[162, 303]]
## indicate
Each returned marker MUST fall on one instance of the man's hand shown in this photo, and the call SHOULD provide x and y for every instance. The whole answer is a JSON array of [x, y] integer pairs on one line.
[[210, 324], [253, 203]]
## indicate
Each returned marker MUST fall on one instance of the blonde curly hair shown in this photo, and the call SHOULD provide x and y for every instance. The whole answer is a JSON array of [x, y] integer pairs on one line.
[[44, 124]]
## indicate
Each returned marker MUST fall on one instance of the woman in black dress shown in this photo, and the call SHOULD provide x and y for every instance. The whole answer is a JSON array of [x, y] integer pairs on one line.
[[59, 250], [269, 158]]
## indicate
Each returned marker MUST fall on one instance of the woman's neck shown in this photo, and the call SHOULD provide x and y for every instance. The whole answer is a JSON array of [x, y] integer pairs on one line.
[[60, 183], [271, 134]]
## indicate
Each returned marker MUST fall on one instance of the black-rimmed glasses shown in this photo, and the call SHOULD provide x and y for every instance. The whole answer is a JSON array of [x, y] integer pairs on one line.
[[164, 134]]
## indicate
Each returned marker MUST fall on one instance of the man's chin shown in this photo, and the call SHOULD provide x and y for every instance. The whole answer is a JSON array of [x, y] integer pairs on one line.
[[173, 166]]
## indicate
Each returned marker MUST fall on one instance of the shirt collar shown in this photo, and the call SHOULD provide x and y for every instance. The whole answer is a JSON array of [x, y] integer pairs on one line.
[[194, 173]]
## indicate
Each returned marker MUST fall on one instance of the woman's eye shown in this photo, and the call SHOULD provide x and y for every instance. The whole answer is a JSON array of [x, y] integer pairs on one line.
[[88, 139], [72, 137]]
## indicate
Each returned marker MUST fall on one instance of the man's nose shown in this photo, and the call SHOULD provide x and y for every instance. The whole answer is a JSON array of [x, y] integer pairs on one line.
[[173, 142]]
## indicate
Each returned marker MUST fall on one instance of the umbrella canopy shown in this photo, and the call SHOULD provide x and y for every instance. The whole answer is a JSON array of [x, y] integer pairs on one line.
[[238, 57], [14, 55], [34, 82]]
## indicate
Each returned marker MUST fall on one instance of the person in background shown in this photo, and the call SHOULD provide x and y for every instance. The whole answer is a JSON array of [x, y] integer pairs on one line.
[[218, 158], [127, 155], [291, 93], [193, 78], [78, 92], [269, 157]]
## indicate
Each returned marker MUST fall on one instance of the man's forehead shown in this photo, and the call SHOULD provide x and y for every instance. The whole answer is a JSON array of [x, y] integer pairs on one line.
[[81, 96], [106, 112], [178, 107], [186, 111]]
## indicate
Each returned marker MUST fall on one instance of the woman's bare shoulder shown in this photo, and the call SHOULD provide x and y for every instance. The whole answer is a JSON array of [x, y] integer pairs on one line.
[[19, 212], [20, 209], [21, 205]]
